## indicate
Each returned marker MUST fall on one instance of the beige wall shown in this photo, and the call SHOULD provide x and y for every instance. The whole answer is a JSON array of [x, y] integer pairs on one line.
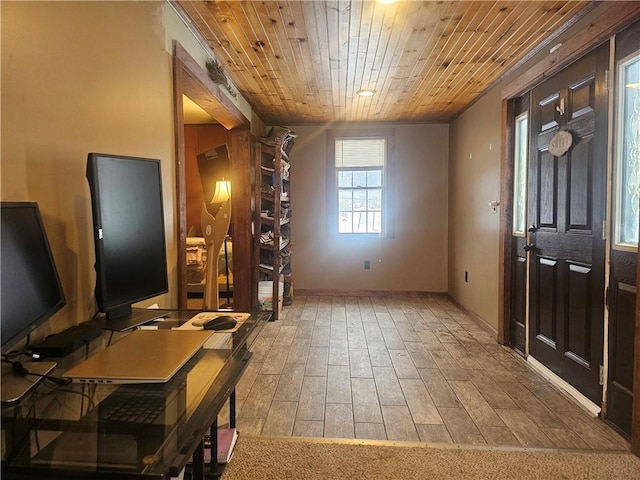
[[80, 77], [474, 181], [415, 260]]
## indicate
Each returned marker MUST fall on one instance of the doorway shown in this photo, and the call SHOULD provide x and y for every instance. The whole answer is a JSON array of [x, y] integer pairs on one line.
[[192, 81]]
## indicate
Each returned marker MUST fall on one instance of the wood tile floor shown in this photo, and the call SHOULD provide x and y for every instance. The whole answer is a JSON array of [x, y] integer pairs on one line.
[[403, 369]]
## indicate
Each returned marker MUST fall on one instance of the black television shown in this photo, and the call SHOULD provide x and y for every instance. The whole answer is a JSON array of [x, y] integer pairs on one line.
[[129, 237], [30, 292]]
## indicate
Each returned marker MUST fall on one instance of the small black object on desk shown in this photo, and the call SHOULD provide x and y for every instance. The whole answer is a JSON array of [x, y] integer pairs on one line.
[[66, 342], [225, 322]]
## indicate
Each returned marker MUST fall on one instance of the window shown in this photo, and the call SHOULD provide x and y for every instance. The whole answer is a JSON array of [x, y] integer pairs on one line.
[[520, 175], [359, 171], [628, 153]]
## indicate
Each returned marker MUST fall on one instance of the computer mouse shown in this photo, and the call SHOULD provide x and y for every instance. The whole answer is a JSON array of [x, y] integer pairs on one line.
[[224, 322]]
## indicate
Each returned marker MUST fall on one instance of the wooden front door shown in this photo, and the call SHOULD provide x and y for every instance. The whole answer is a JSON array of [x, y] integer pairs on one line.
[[567, 193]]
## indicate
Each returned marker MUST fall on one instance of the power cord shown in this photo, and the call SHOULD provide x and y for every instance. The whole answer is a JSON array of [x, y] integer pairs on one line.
[[21, 370]]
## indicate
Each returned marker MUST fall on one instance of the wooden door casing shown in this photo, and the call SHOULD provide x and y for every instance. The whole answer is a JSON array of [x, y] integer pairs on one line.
[[518, 310]]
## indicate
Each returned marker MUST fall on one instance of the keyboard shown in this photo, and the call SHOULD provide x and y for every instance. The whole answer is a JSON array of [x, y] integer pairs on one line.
[[142, 403], [144, 406]]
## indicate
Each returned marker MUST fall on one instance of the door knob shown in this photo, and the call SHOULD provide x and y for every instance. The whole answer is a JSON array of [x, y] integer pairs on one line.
[[533, 229], [528, 248]]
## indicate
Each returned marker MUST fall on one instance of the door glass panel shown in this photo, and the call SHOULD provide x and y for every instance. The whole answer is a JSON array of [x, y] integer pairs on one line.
[[520, 174], [628, 152]]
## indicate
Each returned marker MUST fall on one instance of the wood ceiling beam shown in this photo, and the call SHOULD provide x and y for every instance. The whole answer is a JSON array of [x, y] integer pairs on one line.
[[197, 85]]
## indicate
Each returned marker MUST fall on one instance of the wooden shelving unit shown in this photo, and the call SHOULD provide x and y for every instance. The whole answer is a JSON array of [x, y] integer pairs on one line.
[[273, 213]]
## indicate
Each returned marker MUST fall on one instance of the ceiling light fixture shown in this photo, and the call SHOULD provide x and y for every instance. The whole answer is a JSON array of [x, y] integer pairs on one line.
[[555, 48], [366, 92]]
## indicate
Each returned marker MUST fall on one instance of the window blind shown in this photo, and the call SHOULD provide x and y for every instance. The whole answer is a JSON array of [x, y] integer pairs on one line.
[[360, 152]]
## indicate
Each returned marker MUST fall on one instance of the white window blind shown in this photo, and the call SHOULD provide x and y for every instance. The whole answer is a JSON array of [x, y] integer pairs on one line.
[[360, 152]]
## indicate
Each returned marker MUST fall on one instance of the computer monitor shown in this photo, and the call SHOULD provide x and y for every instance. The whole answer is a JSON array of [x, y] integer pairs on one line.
[[129, 238], [31, 291]]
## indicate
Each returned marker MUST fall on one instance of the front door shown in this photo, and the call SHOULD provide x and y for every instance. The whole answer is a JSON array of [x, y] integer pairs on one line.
[[567, 212]]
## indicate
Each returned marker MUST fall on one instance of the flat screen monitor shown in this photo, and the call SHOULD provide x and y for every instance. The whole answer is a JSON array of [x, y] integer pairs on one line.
[[30, 286], [129, 238]]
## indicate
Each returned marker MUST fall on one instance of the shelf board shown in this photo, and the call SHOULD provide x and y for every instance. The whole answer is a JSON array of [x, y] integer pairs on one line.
[[268, 269], [270, 220], [267, 246]]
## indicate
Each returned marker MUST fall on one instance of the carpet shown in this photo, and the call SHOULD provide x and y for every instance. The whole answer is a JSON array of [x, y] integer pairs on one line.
[[284, 458]]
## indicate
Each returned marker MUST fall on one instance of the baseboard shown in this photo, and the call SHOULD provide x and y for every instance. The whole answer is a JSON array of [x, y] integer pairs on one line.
[[365, 293], [476, 318], [570, 390]]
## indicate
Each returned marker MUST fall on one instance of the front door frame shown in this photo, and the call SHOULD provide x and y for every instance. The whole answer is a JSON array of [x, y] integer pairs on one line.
[[612, 21]]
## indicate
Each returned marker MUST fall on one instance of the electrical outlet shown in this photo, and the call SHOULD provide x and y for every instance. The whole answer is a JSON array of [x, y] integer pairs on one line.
[[367, 264]]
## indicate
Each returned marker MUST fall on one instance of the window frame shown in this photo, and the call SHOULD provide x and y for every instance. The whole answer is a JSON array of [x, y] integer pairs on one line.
[[388, 180]]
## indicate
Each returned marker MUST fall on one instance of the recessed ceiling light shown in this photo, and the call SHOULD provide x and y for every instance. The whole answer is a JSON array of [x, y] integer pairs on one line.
[[366, 92], [386, 2]]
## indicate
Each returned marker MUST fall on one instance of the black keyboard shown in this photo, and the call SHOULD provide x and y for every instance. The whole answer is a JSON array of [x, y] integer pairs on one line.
[[142, 403], [141, 406]]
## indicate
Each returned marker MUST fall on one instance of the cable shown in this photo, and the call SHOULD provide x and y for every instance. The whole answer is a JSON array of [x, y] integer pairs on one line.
[[21, 370]]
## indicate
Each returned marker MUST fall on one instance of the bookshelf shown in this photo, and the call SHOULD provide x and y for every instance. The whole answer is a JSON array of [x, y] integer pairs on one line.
[[273, 217]]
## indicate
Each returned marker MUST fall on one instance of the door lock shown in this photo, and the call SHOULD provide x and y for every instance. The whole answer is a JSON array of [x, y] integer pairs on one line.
[[529, 247], [533, 229]]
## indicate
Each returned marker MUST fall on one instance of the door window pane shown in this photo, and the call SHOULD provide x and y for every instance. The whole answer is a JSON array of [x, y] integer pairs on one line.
[[628, 152], [520, 174]]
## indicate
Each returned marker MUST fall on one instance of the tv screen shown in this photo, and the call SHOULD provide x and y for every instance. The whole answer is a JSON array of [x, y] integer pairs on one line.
[[128, 229], [30, 287]]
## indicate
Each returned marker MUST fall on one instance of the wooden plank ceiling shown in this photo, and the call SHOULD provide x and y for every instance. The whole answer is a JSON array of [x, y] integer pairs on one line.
[[301, 62]]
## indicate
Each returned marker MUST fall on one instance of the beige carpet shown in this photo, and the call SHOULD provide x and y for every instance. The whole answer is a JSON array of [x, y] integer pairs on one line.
[[308, 459]]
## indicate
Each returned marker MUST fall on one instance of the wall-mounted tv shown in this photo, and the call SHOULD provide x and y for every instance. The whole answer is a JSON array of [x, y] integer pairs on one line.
[[129, 236]]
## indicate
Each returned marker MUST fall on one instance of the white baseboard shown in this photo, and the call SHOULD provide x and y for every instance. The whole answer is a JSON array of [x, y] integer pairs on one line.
[[570, 390]]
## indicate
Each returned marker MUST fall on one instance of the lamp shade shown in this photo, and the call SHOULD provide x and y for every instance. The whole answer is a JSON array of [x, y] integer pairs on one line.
[[223, 191]]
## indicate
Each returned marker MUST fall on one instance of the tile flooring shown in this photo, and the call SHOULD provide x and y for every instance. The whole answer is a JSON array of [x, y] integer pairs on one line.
[[403, 369]]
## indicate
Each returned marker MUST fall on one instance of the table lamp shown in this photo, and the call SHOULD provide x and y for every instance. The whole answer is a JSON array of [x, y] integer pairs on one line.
[[214, 231]]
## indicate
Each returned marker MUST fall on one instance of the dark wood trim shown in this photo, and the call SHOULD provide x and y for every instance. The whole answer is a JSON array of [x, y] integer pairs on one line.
[[635, 410], [197, 85], [506, 224], [619, 16], [241, 158], [181, 195]]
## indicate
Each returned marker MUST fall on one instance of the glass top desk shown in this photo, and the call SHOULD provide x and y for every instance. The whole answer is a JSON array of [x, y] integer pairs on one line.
[[62, 431]]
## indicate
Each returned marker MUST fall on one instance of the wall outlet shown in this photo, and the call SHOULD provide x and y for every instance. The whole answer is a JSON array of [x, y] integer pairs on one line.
[[367, 264]]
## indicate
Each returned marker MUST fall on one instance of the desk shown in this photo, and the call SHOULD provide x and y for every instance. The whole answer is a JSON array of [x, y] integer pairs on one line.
[[57, 432]]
